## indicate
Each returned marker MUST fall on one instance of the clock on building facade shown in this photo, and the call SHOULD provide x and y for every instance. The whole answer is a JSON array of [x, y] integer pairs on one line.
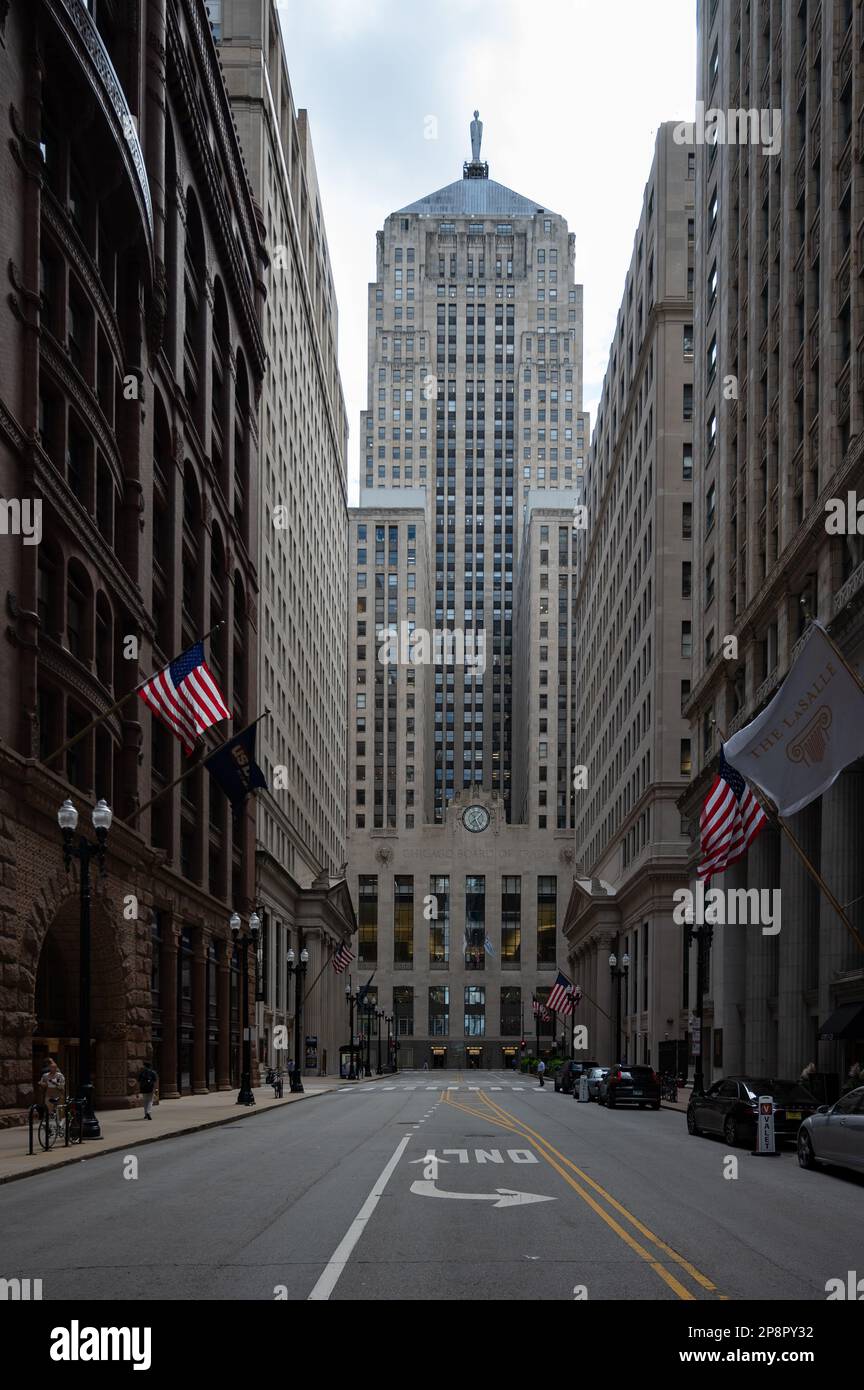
[[475, 818]]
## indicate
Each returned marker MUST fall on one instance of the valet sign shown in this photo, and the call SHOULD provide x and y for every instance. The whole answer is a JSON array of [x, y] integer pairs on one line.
[[765, 1127]]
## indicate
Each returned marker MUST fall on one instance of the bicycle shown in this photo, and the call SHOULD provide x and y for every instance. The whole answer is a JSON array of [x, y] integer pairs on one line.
[[61, 1118]]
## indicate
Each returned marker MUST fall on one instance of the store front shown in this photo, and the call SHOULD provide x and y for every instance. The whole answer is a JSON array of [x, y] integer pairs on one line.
[[439, 1058]]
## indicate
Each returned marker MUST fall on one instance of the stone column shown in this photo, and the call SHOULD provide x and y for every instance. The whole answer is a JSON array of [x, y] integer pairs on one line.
[[223, 1007], [728, 988], [763, 871], [199, 1010], [842, 867], [168, 983], [797, 944], [603, 1040]]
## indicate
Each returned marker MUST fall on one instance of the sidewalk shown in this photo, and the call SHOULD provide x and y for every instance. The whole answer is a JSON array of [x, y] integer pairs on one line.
[[684, 1093], [127, 1130]]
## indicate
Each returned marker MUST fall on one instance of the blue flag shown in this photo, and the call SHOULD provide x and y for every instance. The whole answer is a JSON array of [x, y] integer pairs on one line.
[[234, 767]]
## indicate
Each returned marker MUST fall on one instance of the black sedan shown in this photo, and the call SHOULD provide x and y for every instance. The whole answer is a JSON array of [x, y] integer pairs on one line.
[[731, 1107]]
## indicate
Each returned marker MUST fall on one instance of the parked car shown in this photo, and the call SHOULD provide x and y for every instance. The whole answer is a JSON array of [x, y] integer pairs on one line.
[[567, 1076], [731, 1107], [835, 1134], [595, 1076], [629, 1084]]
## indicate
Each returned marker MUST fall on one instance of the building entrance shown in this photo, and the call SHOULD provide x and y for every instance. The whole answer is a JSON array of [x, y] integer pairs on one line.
[[439, 1058]]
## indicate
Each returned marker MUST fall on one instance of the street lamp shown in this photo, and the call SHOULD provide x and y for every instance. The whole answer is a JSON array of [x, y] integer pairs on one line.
[[389, 1021], [703, 935], [379, 1016], [245, 1095], [299, 973], [84, 852], [395, 1033], [353, 1000], [618, 973]]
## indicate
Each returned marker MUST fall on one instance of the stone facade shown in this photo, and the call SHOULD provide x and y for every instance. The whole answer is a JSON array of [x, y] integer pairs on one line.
[[302, 517], [132, 361], [778, 411], [632, 624]]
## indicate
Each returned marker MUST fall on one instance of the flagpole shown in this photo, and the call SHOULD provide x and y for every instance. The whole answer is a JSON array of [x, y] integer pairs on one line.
[[768, 805], [195, 766], [100, 718]]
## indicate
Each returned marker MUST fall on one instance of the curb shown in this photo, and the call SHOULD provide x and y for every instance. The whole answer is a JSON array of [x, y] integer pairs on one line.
[[248, 1111]]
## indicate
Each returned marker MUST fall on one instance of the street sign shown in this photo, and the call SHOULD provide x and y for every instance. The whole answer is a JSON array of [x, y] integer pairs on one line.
[[583, 1089], [765, 1129]]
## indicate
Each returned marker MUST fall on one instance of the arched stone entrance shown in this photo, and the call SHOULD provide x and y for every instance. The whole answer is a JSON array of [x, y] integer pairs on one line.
[[56, 994]]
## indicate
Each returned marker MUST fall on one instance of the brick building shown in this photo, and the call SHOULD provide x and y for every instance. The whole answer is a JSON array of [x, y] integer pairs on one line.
[[131, 362]]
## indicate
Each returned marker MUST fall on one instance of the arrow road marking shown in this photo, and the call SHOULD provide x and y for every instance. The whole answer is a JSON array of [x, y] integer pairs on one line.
[[501, 1197]]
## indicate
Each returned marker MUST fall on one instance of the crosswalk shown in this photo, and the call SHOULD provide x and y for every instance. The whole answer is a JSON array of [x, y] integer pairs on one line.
[[365, 1088]]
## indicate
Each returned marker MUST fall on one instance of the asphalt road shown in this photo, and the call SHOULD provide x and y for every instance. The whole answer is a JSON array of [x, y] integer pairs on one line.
[[488, 1189]]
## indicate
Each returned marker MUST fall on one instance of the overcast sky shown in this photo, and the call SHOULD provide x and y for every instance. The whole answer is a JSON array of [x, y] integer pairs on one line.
[[570, 92]]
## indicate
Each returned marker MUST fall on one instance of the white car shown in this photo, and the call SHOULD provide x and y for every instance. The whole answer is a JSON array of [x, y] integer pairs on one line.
[[835, 1134]]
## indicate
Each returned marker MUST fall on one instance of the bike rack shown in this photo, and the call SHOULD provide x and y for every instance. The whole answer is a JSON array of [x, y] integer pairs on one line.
[[34, 1110]]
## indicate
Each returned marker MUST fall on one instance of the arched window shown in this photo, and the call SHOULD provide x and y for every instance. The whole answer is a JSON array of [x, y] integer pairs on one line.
[[104, 640], [79, 612], [192, 585], [195, 312], [240, 665], [221, 381], [241, 447]]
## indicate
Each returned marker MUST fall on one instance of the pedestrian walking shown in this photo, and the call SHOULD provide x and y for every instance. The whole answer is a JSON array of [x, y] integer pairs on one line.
[[541, 1071], [147, 1082], [425, 1066], [808, 1075], [853, 1079]]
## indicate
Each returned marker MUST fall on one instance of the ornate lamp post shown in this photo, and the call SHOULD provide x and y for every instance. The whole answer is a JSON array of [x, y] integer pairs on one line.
[[351, 1000], [703, 935], [379, 1018], [245, 1096], [395, 1033], [388, 1019], [618, 973], [299, 973], [84, 852]]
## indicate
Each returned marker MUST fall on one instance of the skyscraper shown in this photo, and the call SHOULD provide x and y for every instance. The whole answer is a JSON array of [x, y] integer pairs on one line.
[[474, 404], [302, 515]]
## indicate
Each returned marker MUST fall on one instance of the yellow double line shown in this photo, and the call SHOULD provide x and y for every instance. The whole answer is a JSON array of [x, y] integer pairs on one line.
[[561, 1163]]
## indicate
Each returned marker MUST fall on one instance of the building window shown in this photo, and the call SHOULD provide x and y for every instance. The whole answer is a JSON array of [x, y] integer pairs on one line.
[[439, 923], [475, 922], [403, 919], [511, 920], [511, 1011], [547, 931], [439, 1011], [475, 1011], [367, 920]]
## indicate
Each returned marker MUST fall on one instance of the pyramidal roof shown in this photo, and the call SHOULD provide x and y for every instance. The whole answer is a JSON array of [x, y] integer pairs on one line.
[[475, 194], [475, 197]]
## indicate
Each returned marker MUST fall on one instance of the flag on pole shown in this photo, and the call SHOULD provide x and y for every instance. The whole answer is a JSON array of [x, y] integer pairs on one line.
[[561, 996], [185, 697], [234, 767], [731, 819], [540, 1011], [810, 731], [342, 958]]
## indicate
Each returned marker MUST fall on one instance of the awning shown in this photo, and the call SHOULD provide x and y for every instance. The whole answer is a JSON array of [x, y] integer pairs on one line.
[[846, 1022]]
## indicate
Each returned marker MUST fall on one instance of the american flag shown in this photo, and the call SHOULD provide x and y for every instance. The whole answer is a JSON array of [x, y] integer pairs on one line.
[[731, 819], [186, 697], [561, 996], [342, 958], [540, 1011]]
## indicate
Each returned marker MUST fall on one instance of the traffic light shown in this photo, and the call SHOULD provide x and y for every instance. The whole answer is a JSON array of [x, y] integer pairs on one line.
[[522, 1044]]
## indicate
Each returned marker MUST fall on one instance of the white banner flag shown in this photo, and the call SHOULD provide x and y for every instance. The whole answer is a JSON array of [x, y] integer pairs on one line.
[[811, 730]]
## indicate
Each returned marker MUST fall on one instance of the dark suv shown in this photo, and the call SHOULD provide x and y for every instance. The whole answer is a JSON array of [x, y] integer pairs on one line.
[[630, 1085]]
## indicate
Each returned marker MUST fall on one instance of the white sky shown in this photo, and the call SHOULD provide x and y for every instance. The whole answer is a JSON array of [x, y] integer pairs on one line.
[[570, 92]]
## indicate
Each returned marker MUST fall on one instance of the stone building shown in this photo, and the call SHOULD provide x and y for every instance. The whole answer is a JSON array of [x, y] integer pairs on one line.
[[131, 362], [301, 895], [778, 412], [473, 429], [632, 633]]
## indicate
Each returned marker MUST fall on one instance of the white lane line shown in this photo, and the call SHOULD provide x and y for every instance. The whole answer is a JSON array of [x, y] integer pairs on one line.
[[339, 1259], [431, 1088], [387, 1088], [496, 1088]]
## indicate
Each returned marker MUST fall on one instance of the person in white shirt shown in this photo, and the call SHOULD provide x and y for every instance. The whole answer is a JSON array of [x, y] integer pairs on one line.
[[52, 1082]]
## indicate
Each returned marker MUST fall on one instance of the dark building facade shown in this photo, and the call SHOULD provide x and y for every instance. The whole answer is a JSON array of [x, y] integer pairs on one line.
[[131, 362]]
